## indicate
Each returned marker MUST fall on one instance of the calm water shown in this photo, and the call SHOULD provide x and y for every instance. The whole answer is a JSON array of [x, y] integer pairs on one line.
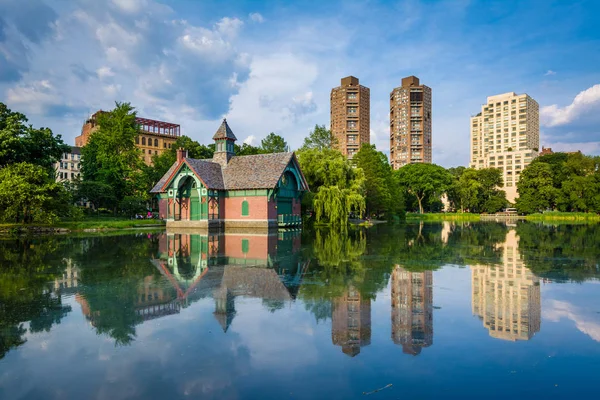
[[436, 310]]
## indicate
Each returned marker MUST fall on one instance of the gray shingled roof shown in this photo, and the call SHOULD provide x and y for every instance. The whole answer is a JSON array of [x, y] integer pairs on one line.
[[163, 181], [209, 172], [261, 171], [224, 132]]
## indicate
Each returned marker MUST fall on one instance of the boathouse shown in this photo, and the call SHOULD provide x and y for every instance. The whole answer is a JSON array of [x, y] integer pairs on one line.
[[229, 191]]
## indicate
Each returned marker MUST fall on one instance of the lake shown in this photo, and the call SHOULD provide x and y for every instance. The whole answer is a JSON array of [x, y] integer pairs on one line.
[[434, 310]]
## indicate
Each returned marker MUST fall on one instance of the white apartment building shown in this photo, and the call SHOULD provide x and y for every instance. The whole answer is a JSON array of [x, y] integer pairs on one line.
[[506, 135], [68, 168]]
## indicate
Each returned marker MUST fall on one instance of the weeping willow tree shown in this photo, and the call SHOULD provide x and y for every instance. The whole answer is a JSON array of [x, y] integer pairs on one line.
[[337, 187]]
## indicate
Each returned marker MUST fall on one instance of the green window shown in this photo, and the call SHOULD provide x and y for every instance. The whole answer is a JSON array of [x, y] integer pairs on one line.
[[245, 209], [245, 246]]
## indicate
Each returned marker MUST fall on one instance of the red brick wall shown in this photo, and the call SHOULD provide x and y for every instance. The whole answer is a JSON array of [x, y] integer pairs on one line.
[[162, 208], [257, 205], [297, 207], [259, 247]]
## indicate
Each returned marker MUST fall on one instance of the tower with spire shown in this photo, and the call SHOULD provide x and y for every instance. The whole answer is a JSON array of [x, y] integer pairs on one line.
[[224, 144]]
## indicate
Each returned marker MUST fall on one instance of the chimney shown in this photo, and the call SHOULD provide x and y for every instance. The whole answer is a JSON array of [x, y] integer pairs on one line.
[[181, 154]]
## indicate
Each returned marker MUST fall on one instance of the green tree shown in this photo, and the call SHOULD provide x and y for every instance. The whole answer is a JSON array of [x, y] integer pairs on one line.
[[247, 150], [23, 143], [111, 156], [320, 138], [536, 188], [99, 194], [424, 180], [382, 193], [273, 144], [336, 187], [28, 194]]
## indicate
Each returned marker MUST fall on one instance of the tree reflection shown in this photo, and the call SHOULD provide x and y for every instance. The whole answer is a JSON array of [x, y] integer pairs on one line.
[[27, 302]]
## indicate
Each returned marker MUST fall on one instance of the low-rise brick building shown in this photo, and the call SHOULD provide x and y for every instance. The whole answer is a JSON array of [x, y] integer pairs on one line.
[[257, 191]]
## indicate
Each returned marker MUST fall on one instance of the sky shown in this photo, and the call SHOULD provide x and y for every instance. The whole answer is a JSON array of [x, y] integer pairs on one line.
[[269, 66]]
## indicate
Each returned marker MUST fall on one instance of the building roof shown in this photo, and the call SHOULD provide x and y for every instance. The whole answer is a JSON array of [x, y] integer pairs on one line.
[[210, 172], [75, 150], [261, 171], [224, 132]]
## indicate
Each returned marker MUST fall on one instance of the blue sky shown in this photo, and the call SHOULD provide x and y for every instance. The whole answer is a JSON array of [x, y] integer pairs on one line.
[[270, 65]]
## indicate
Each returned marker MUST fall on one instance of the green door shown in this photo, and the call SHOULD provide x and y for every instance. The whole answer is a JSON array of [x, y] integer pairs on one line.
[[195, 209], [284, 206]]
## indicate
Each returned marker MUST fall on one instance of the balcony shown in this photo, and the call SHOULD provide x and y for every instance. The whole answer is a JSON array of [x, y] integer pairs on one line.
[[287, 220]]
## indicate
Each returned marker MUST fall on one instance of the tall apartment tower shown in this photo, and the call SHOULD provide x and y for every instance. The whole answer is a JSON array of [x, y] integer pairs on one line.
[[410, 123], [506, 135], [350, 115], [412, 310], [506, 297]]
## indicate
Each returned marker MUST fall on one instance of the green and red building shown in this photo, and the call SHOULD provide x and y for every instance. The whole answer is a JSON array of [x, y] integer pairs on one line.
[[229, 191]]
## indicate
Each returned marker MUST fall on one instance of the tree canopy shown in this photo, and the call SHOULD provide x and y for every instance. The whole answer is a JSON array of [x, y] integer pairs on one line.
[[24, 143], [560, 181], [273, 143], [320, 138], [423, 180]]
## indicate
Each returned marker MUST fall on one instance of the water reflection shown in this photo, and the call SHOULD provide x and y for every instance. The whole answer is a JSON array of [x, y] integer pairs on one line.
[[351, 322], [506, 296], [412, 309]]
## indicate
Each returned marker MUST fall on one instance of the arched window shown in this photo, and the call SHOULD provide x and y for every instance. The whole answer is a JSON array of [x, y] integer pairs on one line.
[[137, 140], [143, 141], [155, 142], [245, 209]]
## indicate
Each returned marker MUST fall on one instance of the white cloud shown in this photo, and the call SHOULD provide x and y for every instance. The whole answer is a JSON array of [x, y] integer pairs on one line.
[[584, 102], [130, 6], [550, 73], [104, 72], [585, 321], [34, 97], [229, 27], [256, 17], [251, 140]]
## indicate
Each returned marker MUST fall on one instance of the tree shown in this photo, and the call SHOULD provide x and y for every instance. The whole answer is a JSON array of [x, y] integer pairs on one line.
[[28, 194], [423, 180], [273, 144], [320, 138], [536, 189], [382, 194], [111, 156], [336, 187], [23, 143], [247, 150], [97, 193]]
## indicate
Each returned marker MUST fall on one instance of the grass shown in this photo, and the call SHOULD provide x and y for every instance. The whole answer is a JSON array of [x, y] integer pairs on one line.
[[95, 223], [564, 216], [442, 217]]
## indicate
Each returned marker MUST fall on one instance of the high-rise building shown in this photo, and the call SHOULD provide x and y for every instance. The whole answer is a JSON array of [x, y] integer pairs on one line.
[[507, 296], [412, 310], [154, 138], [410, 123], [506, 135], [351, 322], [350, 115]]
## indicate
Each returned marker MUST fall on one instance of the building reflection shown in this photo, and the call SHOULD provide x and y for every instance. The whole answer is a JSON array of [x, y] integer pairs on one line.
[[225, 266], [412, 309], [506, 297], [351, 322]]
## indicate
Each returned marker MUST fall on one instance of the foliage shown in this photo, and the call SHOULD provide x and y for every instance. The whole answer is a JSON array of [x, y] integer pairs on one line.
[[111, 157], [28, 194], [23, 143], [560, 181], [273, 144], [97, 193], [320, 138], [337, 187], [423, 180], [247, 150], [131, 205], [383, 195]]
